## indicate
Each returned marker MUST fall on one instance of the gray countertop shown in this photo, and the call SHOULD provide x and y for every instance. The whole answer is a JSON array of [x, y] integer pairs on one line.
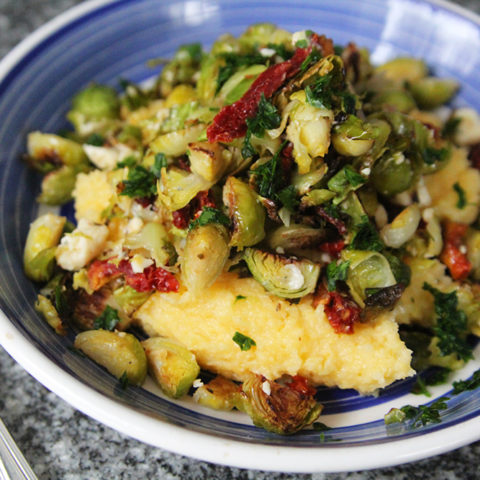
[[62, 443]]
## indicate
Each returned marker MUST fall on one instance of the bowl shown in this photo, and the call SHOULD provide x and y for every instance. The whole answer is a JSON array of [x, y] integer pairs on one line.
[[103, 41]]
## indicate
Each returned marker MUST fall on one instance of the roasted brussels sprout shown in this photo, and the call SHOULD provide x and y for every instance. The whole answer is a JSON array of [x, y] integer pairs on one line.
[[172, 366], [220, 394], [246, 212], [394, 99], [283, 276], [279, 408], [403, 227], [431, 92], [234, 88], [40, 246], [119, 352], [261, 34], [206, 251], [392, 174], [295, 237], [353, 137], [403, 69], [174, 144], [96, 102], [207, 160]]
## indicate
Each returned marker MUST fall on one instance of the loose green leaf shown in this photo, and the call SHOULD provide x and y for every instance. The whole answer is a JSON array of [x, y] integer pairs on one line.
[[245, 343], [129, 161], [210, 215], [366, 237], [107, 320], [288, 197], [95, 139], [471, 384], [140, 183], [451, 324], [240, 297], [336, 273], [281, 50], [462, 199], [433, 155]]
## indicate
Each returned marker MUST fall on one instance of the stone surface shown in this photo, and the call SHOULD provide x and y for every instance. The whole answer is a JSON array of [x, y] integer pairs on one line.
[[62, 443]]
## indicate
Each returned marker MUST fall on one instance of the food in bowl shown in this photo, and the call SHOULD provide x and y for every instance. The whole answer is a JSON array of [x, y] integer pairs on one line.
[[278, 212]]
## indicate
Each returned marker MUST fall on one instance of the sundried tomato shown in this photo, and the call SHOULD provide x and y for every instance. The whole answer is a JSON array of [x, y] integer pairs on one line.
[[474, 156], [342, 312], [300, 384], [203, 199], [181, 218], [230, 122], [152, 278], [100, 272], [456, 261], [332, 248]]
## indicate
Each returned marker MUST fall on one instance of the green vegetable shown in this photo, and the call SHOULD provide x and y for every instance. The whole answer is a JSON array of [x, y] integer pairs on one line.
[[336, 272], [140, 183], [345, 181], [419, 416], [172, 365], [95, 102], [235, 62], [431, 92], [220, 394], [295, 237], [366, 237], [353, 138], [285, 277], [107, 320], [210, 215], [392, 174], [451, 324], [245, 343], [44, 306], [462, 199], [471, 384]]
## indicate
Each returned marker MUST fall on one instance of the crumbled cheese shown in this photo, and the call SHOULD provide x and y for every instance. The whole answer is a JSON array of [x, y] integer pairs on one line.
[[197, 383], [106, 158], [280, 250], [463, 249], [267, 389], [139, 263], [366, 171], [424, 199], [399, 158], [428, 214], [134, 225], [85, 243], [267, 52], [404, 199], [293, 276], [325, 257], [468, 130]]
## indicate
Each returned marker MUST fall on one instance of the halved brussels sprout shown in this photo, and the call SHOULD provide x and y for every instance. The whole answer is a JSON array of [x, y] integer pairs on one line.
[[316, 197], [42, 239], [394, 99], [403, 227], [431, 92], [174, 144], [246, 212], [44, 306], [353, 137], [295, 237], [177, 187], [49, 152], [207, 160], [172, 366], [279, 408], [119, 352], [96, 102], [152, 237], [129, 299], [367, 270], [220, 394], [283, 276], [234, 88], [57, 186], [403, 69], [204, 256], [392, 174], [305, 182], [261, 34]]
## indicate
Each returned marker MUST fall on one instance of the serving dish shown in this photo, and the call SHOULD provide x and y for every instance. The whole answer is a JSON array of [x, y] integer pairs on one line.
[[103, 41]]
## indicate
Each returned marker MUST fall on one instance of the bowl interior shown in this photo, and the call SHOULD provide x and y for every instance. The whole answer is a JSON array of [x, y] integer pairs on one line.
[[115, 40]]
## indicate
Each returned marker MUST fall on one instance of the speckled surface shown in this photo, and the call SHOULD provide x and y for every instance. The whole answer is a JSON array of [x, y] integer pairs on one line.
[[62, 443]]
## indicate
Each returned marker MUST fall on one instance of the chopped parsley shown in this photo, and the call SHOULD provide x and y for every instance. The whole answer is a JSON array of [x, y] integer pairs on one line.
[[336, 273], [267, 117], [60, 301], [123, 380], [451, 126], [320, 427], [320, 93], [134, 97], [301, 43], [419, 416], [288, 197], [462, 198], [108, 319], [451, 324], [240, 297], [245, 343], [471, 384], [95, 139], [140, 183], [159, 163], [313, 57], [437, 377], [366, 237], [129, 161], [210, 215], [280, 50], [433, 155]]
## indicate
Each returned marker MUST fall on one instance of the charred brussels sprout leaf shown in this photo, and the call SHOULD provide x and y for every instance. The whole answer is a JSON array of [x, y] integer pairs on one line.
[[283, 276], [284, 410]]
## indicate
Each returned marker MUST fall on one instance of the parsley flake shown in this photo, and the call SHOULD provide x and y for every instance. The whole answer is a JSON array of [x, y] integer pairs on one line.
[[336, 273], [124, 382], [451, 126], [471, 384], [240, 297], [95, 139], [140, 183], [129, 161], [159, 163], [462, 198], [107, 320], [366, 237], [433, 155], [451, 324], [245, 343], [210, 215]]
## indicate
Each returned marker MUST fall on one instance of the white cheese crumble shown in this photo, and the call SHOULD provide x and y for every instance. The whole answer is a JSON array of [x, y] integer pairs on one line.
[[85, 243], [366, 171], [139, 263], [106, 158], [463, 249], [197, 383], [424, 199], [428, 214], [293, 276], [267, 52], [134, 225], [267, 389]]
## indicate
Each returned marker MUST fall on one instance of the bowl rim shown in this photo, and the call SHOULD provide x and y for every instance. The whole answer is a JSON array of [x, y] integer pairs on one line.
[[202, 446]]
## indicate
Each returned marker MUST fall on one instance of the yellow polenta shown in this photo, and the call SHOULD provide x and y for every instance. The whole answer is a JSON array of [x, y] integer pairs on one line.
[[290, 338]]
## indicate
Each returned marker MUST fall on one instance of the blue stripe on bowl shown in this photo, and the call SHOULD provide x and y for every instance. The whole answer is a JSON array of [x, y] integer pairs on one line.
[[115, 41]]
